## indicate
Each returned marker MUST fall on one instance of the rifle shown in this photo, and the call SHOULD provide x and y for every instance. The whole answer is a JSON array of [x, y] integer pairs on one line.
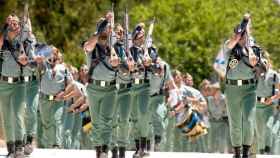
[[147, 42], [114, 55], [126, 43], [22, 25]]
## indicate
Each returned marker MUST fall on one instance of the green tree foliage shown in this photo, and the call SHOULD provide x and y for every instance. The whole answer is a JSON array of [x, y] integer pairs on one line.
[[188, 33]]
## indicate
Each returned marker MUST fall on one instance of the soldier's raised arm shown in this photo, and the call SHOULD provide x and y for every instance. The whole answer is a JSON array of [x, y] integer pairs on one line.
[[102, 26]]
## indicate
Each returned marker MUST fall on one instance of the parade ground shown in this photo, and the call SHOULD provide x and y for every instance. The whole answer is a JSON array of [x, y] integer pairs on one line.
[[55, 153]]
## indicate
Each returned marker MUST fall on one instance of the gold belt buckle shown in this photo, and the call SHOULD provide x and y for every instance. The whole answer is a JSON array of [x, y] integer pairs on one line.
[[51, 97], [10, 80], [26, 78], [103, 83]]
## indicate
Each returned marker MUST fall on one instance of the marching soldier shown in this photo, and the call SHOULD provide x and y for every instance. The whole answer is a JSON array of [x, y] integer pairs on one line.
[[240, 88], [16, 51], [54, 79], [122, 113], [266, 97], [140, 92], [101, 90]]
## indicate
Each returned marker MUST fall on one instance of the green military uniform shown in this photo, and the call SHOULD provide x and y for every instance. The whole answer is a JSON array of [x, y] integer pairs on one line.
[[140, 102], [265, 89], [13, 80], [217, 135], [157, 98], [51, 111], [72, 125], [240, 91], [101, 92], [123, 108]]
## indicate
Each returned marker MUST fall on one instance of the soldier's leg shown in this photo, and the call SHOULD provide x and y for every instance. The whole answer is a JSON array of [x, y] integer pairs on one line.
[[169, 134], [248, 118], [18, 103], [39, 136], [8, 116], [94, 98], [124, 114], [107, 108], [235, 117], [32, 99], [143, 115], [68, 124], [48, 127], [57, 111], [158, 122], [260, 128], [76, 132], [268, 131]]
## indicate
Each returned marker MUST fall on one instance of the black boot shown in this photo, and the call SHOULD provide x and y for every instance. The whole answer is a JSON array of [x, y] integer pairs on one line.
[[115, 152], [237, 152], [137, 146], [267, 149], [122, 152], [11, 149], [262, 151], [28, 148], [143, 147], [246, 149], [148, 145], [157, 143], [19, 149], [98, 151], [104, 151]]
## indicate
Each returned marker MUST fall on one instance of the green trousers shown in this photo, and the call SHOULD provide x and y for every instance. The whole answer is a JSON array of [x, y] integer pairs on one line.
[[242, 113], [121, 119], [12, 102], [72, 127], [217, 136], [263, 133], [51, 113], [169, 135], [40, 138], [102, 103], [32, 99], [157, 114], [140, 110]]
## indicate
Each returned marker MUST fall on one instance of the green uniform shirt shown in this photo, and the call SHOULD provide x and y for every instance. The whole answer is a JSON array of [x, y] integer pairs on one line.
[[52, 85], [10, 67], [265, 84], [157, 82], [241, 71], [100, 71]]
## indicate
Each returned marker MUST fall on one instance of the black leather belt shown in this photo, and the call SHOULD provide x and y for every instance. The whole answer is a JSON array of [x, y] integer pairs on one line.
[[156, 94], [48, 97], [241, 82], [262, 99], [102, 83], [124, 86], [17, 79], [140, 81]]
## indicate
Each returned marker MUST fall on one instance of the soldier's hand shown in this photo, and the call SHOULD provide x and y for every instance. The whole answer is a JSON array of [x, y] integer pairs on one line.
[[130, 64], [22, 59], [39, 59], [59, 96], [268, 101], [72, 91], [79, 103]]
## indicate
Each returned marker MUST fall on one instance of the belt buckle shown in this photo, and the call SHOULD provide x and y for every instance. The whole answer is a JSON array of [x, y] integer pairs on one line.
[[51, 97], [102, 83], [118, 86], [239, 82], [262, 99], [137, 81], [10, 80], [26, 79]]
